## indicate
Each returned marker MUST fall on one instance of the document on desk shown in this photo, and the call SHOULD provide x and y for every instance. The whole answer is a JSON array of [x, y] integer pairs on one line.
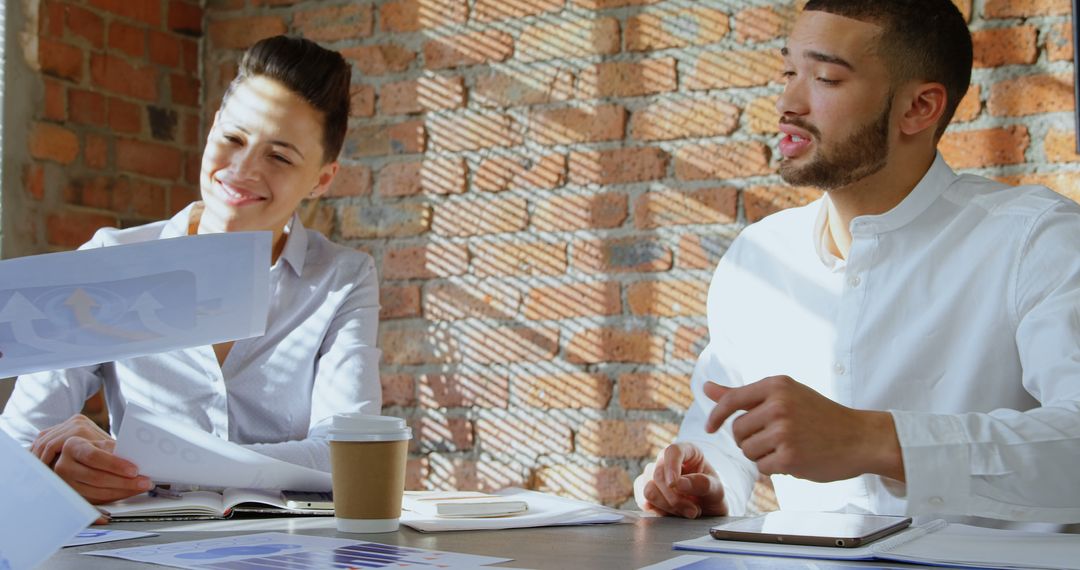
[[61, 310], [41, 512], [935, 543], [544, 510], [169, 451]]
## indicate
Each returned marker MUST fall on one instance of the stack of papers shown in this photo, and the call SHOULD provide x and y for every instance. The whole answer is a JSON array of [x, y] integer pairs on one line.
[[544, 510]]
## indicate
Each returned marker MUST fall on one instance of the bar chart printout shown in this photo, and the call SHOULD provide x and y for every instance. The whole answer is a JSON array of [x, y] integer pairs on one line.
[[277, 550]]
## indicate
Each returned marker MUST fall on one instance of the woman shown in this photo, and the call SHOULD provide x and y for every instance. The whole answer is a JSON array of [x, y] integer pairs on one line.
[[274, 142]]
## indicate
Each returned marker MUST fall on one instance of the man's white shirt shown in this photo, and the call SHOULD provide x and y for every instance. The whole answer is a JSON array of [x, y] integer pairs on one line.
[[958, 311]]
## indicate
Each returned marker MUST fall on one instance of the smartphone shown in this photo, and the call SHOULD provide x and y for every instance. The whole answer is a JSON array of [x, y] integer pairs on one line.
[[305, 500], [811, 529]]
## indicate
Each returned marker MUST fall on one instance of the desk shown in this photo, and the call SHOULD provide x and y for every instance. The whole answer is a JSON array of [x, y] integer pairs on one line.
[[614, 546]]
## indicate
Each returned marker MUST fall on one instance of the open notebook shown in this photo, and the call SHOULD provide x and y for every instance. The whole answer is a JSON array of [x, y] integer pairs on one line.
[[935, 543], [204, 505]]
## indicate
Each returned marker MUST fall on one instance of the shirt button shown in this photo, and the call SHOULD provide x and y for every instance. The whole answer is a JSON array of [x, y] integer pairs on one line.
[[936, 501], [839, 368], [854, 281]]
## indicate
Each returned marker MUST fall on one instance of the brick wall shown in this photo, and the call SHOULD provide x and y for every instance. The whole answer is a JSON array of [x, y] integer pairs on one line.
[[546, 186], [113, 138]]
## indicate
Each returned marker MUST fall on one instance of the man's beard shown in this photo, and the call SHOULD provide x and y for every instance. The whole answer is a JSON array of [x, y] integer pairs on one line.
[[860, 155]]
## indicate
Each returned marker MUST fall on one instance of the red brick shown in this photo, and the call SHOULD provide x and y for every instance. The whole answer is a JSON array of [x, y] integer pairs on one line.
[[416, 471], [351, 180], [416, 15], [609, 486], [494, 10], [740, 68], [518, 258], [413, 344], [473, 48], [430, 93], [570, 300], [482, 388], [625, 438], [722, 161], [185, 90], [399, 302], [441, 433], [532, 436], [180, 197], [473, 130], [965, 8], [428, 261], [1059, 45], [119, 76], [762, 116], [627, 78], [675, 27], [569, 38], [1025, 8], [149, 159], [514, 87], [148, 12], [444, 176], [53, 142], [189, 49], [34, 180], [101, 192], [571, 212], [606, 344], [621, 255], [398, 390], [568, 390], [86, 24], [124, 117], [762, 23], [572, 125], [399, 179], [986, 147], [760, 201], [667, 298], [60, 59], [1030, 95], [970, 106], [483, 344], [995, 47], [385, 220], [463, 218], [665, 208], [55, 102], [485, 474], [241, 33], [380, 59], [51, 20], [185, 18], [698, 251], [1060, 146], [192, 167], [127, 38], [618, 166], [684, 118], [333, 23], [164, 49], [690, 342], [96, 155], [608, 4], [71, 229], [143, 199], [361, 101], [499, 173], [655, 391], [1065, 183], [484, 300], [407, 137], [317, 216]]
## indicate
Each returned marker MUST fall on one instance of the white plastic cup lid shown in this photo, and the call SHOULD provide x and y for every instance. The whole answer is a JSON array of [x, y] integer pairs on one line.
[[365, 427]]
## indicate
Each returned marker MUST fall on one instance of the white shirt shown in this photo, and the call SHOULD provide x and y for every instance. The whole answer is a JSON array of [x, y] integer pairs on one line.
[[958, 311], [274, 394]]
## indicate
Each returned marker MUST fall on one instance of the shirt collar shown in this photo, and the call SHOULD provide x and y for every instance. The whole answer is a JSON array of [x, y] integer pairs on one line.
[[933, 184]]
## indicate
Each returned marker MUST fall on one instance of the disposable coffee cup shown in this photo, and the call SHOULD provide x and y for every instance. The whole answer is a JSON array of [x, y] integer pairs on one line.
[[367, 466]]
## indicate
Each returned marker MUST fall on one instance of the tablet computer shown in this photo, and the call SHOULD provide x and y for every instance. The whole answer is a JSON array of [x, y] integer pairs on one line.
[[812, 529]]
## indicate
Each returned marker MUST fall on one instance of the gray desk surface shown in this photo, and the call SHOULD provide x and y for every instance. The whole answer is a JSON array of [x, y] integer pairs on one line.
[[621, 546]]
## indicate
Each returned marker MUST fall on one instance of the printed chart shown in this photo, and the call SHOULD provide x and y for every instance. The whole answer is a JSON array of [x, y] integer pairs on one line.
[[277, 550]]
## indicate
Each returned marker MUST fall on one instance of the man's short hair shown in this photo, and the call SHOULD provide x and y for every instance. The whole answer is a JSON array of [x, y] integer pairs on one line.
[[924, 40]]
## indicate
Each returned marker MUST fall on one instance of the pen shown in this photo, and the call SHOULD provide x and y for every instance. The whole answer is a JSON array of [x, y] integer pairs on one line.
[[163, 492]]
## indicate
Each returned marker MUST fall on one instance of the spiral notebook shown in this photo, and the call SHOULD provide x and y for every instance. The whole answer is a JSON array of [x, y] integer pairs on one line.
[[936, 543]]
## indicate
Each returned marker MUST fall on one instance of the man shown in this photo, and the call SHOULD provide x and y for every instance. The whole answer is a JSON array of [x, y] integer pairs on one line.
[[911, 342]]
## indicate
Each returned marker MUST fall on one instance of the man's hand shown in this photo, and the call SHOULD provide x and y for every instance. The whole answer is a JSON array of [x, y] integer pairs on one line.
[[82, 455], [789, 428], [680, 483]]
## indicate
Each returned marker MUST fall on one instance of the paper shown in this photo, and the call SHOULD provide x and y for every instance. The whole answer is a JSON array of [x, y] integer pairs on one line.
[[544, 510], [169, 451], [692, 562], [95, 535], [277, 550], [76, 308], [41, 513]]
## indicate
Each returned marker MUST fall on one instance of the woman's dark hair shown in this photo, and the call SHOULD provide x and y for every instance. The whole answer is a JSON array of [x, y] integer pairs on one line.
[[318, 75], [924, 40]]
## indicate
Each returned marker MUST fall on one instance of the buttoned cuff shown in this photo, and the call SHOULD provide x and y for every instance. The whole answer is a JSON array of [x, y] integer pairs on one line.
[[937, 462]]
